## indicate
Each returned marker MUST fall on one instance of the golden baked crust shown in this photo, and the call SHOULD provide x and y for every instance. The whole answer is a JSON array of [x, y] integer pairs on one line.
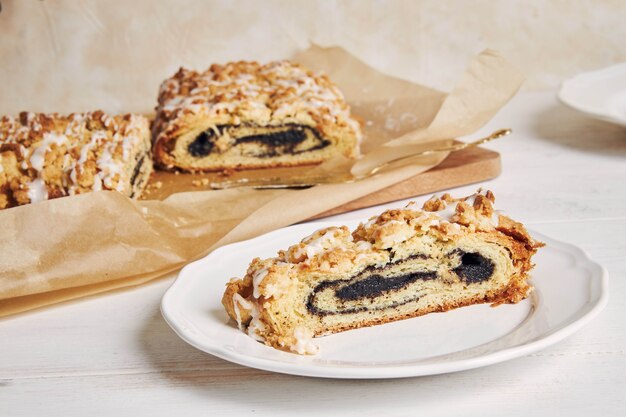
[[254, 96], [45, 156], [403, 263]]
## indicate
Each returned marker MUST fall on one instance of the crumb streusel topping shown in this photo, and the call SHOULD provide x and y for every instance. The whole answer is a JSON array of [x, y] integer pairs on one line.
[[49, 155], [251, 91]]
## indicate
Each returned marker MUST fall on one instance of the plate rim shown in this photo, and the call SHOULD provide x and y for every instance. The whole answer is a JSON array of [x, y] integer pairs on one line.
[[595, 75], [385, 371]]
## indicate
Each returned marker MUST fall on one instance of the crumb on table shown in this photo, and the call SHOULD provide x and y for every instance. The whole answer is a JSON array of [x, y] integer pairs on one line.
[[204, 182]]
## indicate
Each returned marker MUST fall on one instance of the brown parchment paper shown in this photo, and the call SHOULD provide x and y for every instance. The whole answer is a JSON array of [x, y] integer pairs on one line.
[[76, 246]]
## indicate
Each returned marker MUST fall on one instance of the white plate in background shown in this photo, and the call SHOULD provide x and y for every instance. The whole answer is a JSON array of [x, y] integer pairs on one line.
[[570, 289], [600, 94]]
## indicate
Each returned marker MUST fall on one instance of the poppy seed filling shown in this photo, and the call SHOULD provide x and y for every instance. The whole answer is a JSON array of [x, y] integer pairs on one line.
[[376, 285], [474, 267], [287, 139], [370, 283], [137, 169]]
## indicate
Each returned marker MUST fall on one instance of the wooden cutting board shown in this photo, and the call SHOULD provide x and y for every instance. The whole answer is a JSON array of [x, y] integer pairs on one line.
[[468, 166]]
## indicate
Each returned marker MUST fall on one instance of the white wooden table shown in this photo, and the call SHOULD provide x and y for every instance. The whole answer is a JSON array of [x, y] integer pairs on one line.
[[564, 175]]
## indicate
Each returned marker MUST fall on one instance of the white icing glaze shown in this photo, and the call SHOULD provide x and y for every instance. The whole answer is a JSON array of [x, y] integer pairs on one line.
[[448, 212], [37, 190], [109, 167], [455, 228], [434, 222], [281, 284], [363, 246], [257, 278], [304, 342], [401, 234], [97, 183], [130, 140], [256, 326], [96, 137], [272, 290], [314, 247], [238, 300], [66, 161]]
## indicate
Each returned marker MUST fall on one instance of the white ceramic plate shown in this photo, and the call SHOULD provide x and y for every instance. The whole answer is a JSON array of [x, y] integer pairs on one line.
[[600, 94], [570, 290]]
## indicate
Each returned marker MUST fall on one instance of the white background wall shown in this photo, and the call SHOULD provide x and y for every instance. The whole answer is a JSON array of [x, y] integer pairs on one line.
[[81, 55]]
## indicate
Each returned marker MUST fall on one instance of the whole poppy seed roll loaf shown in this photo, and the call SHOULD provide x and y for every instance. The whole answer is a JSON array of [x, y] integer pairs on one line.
[[246, 115]]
